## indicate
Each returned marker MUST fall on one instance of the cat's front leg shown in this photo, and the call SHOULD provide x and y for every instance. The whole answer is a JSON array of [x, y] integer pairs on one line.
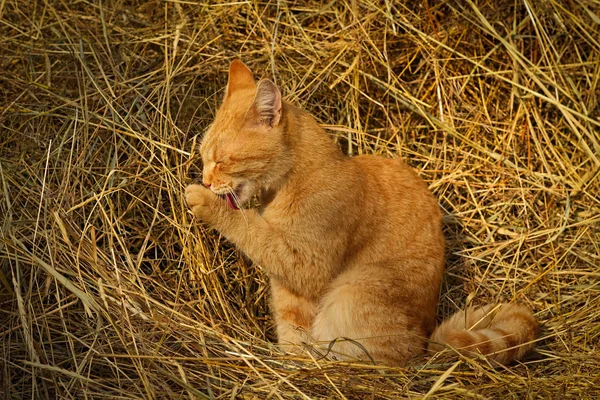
[[201, 201], [239, 226], [260, 241], [208, 207]]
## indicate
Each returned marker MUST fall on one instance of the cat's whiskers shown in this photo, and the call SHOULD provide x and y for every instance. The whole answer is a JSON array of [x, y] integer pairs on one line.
[[239, 206]]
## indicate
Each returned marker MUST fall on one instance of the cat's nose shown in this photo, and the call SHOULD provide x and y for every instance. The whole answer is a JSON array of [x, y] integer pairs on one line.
[[206, 185]]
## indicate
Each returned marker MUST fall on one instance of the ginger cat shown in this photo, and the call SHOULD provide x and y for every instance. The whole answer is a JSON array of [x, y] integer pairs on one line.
[[353, 246]]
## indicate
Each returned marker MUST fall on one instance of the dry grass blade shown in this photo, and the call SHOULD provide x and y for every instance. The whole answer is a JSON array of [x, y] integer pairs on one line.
[[109, 288]]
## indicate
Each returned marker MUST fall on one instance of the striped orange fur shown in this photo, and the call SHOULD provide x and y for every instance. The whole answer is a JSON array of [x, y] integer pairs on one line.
[[503, 333]]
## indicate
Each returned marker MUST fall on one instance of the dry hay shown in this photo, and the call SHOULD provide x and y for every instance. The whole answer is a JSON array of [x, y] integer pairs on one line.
[[109, 289]]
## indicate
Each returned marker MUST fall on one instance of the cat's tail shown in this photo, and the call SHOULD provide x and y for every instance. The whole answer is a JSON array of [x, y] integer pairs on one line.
[[504, 333]]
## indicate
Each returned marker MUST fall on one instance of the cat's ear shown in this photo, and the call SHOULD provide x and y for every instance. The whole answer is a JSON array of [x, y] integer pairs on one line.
[[240, 77], [266, 107]]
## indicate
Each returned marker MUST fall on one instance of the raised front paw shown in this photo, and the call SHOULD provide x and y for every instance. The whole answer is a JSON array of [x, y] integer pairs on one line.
[[201, 200]]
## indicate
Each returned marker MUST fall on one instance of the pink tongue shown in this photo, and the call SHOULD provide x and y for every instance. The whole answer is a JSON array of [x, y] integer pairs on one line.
[[230, 202]]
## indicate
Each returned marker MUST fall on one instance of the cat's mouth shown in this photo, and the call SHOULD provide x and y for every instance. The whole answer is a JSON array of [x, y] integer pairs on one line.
[[232, 198]]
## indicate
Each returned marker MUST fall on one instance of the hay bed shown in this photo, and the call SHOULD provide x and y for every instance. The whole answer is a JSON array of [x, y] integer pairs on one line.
[[109, 289]]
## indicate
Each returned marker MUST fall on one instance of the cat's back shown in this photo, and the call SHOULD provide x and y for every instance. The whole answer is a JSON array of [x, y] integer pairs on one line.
[[394, 178], [402, 210]]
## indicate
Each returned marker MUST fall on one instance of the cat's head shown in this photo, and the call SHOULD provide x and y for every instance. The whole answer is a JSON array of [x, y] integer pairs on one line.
[[245, 149]]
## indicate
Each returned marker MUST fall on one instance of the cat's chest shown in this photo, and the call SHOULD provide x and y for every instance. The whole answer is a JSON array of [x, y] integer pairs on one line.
[[283, 215], [288, 205]]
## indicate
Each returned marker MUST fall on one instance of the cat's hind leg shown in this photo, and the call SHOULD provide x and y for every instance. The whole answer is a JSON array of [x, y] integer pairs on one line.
[[372, 316]]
